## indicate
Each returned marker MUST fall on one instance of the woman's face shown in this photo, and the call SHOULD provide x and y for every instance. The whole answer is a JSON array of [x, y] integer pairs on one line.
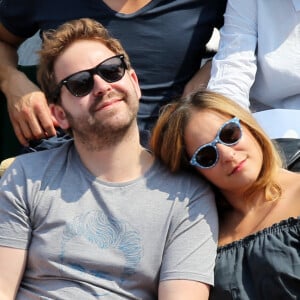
[[238, 166]]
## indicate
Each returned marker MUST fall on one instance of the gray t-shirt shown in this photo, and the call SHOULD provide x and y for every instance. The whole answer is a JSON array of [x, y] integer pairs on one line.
[[89, 239]]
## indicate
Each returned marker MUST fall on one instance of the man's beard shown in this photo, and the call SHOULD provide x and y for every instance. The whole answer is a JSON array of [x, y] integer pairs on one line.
[[95, 134]]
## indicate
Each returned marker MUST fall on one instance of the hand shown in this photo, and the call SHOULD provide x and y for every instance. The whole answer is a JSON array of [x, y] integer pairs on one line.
[[28, 110], [199, 80]]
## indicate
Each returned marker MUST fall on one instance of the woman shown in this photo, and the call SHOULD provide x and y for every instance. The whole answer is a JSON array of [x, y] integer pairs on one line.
[[259, 233]]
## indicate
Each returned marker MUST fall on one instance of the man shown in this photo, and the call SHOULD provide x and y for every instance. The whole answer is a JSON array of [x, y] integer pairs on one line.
[[99, 217]]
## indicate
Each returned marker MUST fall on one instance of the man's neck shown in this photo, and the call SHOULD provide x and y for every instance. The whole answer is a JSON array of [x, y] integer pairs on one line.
[[124, 161]]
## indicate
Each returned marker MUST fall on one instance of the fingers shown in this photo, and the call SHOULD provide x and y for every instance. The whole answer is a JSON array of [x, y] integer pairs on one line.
[[45, 122], [31, 118], [19, 134]]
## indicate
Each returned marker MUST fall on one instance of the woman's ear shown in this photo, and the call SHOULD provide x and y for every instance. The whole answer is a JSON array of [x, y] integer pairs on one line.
[[59, 116]]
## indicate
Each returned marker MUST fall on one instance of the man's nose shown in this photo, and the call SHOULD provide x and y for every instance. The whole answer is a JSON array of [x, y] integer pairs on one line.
[[100, 85]]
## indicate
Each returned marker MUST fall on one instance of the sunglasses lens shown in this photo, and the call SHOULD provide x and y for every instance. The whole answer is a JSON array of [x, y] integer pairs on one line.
[[80, 84], [230, 134], [207, 156], [111, 70]]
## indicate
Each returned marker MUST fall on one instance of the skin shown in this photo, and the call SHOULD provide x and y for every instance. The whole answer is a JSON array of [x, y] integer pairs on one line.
[[27, 106], [111, 106], [199, 80], [12, 264], [126, 6], [98, 116], [238, 167]]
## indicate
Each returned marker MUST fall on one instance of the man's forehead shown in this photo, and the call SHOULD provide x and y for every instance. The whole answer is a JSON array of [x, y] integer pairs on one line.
[[80, 55]]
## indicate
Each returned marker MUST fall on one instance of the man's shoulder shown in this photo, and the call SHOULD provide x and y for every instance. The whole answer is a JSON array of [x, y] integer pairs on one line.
[[39, 160], [186, 188], [182, 177]]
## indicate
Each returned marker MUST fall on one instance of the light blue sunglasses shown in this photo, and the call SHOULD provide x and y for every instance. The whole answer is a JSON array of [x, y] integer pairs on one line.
[[207, 156]]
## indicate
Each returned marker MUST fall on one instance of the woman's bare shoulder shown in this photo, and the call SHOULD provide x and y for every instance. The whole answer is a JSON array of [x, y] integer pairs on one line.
[[289, 178], [290, 183]]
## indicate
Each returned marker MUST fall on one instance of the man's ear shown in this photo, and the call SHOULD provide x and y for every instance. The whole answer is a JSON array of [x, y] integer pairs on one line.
[[59, 116], [135, 81]]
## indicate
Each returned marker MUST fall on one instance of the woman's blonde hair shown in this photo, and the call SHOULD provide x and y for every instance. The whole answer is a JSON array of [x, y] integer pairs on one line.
[[56, 41], [167, 141]]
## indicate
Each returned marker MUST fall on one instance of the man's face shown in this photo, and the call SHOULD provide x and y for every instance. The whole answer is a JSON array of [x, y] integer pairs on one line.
[[109, 109]]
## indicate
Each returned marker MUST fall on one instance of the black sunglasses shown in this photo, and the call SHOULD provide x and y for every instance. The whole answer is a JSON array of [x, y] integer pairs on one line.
[[207, 155], [81, 83]]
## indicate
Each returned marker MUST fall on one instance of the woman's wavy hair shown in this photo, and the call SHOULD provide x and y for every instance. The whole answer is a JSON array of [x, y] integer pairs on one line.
[[167, 141], [56, 41]]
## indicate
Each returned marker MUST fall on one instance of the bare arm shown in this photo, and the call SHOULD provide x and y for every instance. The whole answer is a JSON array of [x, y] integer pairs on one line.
[[183, 290], [12, 264], [27, 107], [199, 80]]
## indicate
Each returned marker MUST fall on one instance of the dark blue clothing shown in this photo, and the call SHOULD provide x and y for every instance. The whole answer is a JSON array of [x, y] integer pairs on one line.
[[62, 137], [165, 39], [262, 266]]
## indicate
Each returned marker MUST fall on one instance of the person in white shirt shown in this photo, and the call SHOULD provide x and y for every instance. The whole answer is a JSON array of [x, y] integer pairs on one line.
[[258, 61]]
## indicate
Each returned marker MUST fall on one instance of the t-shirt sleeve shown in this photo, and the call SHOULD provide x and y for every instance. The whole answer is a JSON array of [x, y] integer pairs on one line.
[[191, 247], [18, 16], [15, 226]]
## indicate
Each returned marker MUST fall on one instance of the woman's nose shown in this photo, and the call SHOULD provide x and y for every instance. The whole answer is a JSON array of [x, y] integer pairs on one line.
[[226, 153]]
